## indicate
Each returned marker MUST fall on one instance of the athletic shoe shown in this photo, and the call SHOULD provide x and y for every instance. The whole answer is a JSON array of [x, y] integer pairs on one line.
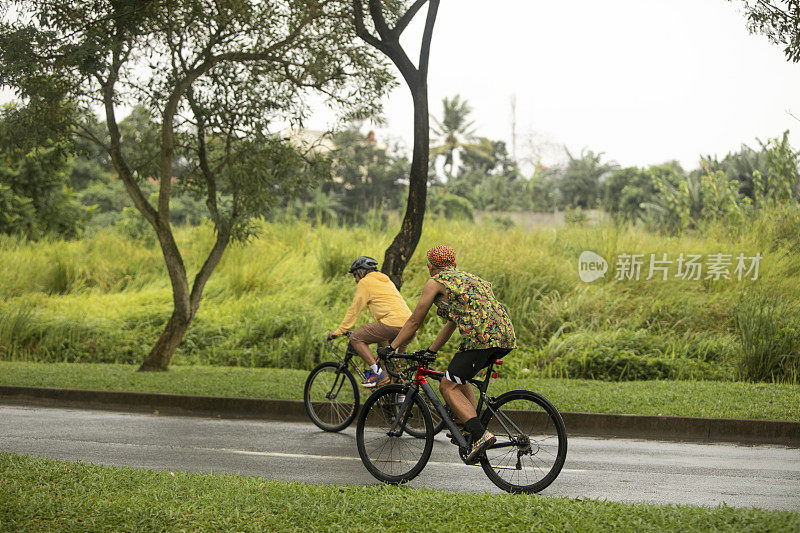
[[479, 446], [372, 379]]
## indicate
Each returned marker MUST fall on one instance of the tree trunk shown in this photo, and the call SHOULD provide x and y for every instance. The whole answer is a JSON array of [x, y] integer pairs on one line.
[[185, 303], [159, 357], [405, 242]]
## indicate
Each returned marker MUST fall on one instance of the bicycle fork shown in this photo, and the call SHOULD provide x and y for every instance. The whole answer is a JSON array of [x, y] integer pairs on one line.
[[338, 383]]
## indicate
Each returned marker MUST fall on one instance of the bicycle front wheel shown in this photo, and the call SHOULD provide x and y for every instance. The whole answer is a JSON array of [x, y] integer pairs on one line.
[[393, 458], [418, 430], [331, 397], [531, 442]]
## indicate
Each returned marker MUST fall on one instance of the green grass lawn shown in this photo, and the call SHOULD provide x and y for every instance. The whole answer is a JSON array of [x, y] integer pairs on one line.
[[44, 494], [711, 399]]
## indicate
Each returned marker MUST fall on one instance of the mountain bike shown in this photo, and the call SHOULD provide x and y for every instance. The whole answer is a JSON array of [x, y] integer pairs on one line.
[[531, 438], [331, 393]]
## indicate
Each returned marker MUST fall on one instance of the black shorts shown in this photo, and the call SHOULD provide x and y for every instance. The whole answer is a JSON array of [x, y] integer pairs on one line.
[[466, 365]]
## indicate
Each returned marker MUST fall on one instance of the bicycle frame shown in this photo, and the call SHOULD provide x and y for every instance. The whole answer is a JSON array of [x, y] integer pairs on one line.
[[346, 360], [518, 460], [420, 381]]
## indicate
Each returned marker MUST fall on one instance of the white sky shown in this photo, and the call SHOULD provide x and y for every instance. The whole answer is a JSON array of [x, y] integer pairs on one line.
[[644, 81]]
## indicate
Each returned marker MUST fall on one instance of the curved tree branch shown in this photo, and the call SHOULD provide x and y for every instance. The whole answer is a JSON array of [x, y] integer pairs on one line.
[[425, 49], [403, 21]]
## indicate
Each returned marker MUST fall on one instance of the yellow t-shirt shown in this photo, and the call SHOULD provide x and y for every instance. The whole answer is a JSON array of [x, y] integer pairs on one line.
[[376, 291]]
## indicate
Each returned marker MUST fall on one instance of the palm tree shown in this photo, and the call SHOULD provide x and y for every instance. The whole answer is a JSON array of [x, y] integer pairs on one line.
[[580, 183], [453, 131]]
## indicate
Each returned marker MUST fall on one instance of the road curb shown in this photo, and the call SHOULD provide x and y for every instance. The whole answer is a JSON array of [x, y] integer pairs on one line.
[[586, 424]]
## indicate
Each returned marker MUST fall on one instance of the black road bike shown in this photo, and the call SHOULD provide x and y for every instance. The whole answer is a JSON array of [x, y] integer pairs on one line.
[[531, 438], [331, 393]]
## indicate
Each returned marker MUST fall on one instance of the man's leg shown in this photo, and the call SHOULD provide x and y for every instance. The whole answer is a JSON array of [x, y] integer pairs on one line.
[[361, 349], [455, 388], [459, 395], [460, 398], [360, 340]]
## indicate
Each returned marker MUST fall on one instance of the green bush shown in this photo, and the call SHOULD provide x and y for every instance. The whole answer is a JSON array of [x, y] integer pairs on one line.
[[611, 365], [769, 329], [503, 222], [576, 217], [107, 298], [35, 199], [17, 214], [451, 206], [333, 260], [782, 230], [623, 355], [26, 335], [133, 225]]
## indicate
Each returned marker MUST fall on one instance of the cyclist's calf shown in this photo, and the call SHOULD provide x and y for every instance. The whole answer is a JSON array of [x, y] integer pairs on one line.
[[460, 398]]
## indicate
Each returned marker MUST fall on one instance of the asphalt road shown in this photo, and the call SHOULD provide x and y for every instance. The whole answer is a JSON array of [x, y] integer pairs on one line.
[[610, 469]]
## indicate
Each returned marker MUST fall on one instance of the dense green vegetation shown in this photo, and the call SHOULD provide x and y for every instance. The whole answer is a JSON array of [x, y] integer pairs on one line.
[[107, 296], [44, 494], [103, 296], [468, 173], [706, 399], [105, 299]]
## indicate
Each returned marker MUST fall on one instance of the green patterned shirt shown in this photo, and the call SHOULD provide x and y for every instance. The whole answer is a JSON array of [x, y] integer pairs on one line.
[[481, 319]]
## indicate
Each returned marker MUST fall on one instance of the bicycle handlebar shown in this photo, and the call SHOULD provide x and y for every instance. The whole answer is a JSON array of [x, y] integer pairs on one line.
[[420, 356]]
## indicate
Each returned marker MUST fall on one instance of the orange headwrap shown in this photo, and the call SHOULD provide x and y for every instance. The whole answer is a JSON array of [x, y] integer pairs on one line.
[[442, 256]]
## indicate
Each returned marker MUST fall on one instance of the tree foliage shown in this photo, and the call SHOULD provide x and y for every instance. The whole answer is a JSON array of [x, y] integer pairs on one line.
[[778, 20], [454, 130], [580, 183], [210, 77], [367, 174], [35, 196], [625, 191]]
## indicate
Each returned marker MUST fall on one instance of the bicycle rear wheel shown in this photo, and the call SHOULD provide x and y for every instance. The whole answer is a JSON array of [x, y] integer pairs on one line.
[[331, 397], [393, 459], [531, 442]]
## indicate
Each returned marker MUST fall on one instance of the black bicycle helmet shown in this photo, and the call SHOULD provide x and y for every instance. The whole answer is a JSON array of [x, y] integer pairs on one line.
[[364, 263]]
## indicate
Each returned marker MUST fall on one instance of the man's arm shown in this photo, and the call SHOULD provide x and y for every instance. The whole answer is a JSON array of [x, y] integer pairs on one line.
[[430, 291], [444, 335], [359, 301]]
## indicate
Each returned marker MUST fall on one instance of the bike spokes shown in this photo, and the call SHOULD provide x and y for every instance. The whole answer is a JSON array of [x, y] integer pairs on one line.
[[388, 451], [531, 443], [331, 397]]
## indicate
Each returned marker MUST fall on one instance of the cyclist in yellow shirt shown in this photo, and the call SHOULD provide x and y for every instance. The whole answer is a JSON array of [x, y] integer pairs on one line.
[[376, 291]]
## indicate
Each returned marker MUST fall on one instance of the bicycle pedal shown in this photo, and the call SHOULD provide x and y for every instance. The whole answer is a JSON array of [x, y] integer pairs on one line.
[[463, 453], [453, 439]]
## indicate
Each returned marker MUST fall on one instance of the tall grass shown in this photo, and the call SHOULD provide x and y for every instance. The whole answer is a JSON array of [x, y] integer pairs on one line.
[[270, 302], [769, 327]]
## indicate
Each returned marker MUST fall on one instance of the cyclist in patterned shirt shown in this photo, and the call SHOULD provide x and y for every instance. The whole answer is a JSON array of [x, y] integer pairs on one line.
[[468, 304]]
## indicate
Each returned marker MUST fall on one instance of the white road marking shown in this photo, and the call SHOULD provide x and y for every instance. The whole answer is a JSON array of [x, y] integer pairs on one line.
[[335, 457]]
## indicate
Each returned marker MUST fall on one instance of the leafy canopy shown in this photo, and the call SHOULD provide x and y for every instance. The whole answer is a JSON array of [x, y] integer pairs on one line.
[[215, 81]]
